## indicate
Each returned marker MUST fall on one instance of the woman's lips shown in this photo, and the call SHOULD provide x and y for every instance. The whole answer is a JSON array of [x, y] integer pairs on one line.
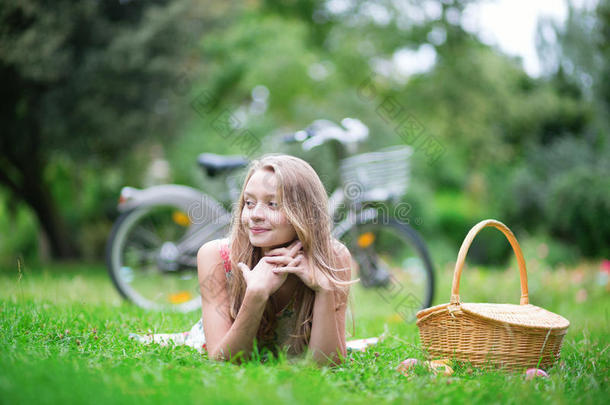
[[258, 230]]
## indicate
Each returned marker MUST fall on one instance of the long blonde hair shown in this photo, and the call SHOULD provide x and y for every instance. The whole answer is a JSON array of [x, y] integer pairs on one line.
[[303, 199]]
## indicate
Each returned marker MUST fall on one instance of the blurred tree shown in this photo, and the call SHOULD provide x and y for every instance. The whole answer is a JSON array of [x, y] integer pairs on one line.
[[577, 54], [560, 185], [87, 80], [312, 12], [83, 80]]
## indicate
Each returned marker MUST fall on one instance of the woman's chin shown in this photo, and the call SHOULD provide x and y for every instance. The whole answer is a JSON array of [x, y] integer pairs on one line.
[[260, 243]]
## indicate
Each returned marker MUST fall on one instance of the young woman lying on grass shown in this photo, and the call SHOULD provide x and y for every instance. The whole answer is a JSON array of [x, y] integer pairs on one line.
[[280, 278]]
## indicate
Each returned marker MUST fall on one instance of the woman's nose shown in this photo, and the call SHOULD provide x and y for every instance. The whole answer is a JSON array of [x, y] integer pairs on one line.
[[258, 212]]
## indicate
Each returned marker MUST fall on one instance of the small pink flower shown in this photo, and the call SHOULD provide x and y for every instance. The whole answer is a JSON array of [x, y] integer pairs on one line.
[[605, 266], [406, 366], [534, 373]]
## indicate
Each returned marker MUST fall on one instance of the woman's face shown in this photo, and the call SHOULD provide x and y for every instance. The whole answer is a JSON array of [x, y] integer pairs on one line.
[[265, 222]]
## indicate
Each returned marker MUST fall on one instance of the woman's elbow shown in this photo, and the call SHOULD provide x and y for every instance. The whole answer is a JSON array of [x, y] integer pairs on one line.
[[333, 360], [216, 354], [219, 356], [339, 358]]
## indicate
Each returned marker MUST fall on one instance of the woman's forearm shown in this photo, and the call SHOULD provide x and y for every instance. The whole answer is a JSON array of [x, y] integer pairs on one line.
[[327, 341], [240, 336]]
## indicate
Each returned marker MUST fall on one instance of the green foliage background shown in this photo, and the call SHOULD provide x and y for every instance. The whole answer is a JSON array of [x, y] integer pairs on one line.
[[531, 152]]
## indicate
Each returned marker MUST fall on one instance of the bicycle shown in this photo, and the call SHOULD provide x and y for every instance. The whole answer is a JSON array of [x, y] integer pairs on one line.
[[152, 248]]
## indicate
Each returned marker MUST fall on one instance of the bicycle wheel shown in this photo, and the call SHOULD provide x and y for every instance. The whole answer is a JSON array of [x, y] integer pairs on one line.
[[151, 256], [392, 259]]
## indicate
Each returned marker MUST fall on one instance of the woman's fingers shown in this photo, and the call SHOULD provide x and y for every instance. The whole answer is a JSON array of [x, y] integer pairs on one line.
[[244, 268], [284, 260], [279, 259], [288, 269], [297, 260], [283, 251], [286, 251], [277, 252], [294, 249]]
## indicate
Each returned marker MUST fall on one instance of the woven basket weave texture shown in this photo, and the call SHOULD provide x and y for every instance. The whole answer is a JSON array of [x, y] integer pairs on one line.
[[501, 335]]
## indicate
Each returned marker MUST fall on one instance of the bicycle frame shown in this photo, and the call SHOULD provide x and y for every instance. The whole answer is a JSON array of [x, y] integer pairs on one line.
[[204, 218], [337, 200], [206, 215]]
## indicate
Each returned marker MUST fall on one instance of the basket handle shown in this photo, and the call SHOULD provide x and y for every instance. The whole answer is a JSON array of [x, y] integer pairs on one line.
[[455, 288]]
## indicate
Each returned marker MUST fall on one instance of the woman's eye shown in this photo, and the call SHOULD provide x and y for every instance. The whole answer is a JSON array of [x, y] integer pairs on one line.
[[273, 204], [249, 203]]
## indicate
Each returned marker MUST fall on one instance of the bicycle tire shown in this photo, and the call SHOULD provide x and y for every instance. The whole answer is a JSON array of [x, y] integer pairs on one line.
[[181, 300], [352, 238]]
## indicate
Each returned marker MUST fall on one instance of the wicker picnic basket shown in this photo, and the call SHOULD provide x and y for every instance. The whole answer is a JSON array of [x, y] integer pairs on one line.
[[509, 336]]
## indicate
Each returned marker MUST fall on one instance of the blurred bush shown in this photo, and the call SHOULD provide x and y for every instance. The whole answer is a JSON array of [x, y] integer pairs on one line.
[[457, 214], [563, 188], [19, 233], [579, 208]]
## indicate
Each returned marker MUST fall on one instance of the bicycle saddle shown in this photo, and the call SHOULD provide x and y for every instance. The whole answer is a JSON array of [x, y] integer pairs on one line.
[[215, 164]]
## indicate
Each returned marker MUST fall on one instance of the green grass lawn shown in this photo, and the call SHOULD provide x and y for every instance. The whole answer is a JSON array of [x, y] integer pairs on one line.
[[63, 339]]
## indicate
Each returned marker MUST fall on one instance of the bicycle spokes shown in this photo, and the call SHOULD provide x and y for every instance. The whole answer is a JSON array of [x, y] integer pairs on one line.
[[396, 277], [154, 268]]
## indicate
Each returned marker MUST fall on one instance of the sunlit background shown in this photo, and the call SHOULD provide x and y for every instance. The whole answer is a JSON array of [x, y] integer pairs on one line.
[[100, 95]]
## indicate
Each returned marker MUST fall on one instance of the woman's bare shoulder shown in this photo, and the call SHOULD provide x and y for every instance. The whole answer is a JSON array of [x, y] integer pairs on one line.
[[342, 253], [208, 256], [340, 248]]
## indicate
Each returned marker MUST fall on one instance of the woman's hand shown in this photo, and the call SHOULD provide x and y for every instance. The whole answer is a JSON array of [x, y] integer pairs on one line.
[[283, 256], [301, 268], [261, 279]]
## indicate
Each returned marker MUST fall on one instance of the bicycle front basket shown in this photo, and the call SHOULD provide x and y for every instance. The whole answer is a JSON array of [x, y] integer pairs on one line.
[[376, 176]]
